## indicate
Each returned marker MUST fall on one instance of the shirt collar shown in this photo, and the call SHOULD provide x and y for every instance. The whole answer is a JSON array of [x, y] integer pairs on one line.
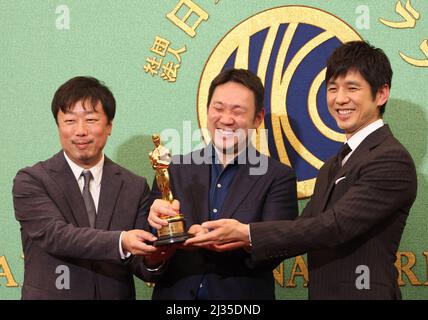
[[217, 153], [359, 137], [97, 170]]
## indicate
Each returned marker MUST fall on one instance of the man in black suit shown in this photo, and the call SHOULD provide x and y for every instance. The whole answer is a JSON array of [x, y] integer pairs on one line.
[[352, 226], [78, 208], [226, 179]]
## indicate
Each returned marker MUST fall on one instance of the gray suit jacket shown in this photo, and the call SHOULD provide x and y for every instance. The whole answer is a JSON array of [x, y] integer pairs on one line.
[[356, 218], [56, 235]]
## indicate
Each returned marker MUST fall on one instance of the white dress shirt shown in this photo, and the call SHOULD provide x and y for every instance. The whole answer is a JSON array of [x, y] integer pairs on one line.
[[94, 184], [359, 137], [94, 187]]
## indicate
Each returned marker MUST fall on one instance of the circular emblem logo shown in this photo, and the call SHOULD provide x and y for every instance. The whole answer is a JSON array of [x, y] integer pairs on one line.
[[287, 47]]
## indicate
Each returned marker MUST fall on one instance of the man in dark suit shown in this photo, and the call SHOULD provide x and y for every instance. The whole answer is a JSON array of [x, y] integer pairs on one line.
[[352, 226], [78, 208], [226, 179]]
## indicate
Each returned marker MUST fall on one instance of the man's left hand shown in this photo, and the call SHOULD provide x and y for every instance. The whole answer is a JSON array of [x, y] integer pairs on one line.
[[224, 235]]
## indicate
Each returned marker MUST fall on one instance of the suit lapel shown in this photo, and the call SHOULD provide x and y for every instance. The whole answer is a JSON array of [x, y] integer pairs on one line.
[[111, 183], [200, 183], [362, 151], [239, 190], [200, 191], [63, 176]]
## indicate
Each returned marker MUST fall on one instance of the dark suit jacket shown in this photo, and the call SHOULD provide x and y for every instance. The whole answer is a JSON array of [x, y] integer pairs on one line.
[[55, 231], [231, 275], [358, 221]]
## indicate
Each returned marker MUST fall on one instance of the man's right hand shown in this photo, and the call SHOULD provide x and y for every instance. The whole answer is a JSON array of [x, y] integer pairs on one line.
[[134, 241], [162, 208], [156, 259]]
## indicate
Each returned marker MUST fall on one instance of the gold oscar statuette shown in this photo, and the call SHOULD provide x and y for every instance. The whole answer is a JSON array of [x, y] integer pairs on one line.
[[175, 231]]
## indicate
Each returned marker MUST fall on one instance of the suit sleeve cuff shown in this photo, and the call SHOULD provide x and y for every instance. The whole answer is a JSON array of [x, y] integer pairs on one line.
[[157, 269]]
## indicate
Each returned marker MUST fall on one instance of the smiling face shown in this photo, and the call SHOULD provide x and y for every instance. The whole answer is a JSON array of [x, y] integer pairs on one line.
[[83, 133], [351, 103], [231, 114]]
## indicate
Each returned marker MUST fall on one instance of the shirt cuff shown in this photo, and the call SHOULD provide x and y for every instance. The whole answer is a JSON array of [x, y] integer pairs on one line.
[[155, 269], [249, 235], [123, 255]]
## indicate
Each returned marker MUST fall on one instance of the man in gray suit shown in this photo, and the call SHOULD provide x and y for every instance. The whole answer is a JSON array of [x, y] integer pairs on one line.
[[78, 209], [351, 228]]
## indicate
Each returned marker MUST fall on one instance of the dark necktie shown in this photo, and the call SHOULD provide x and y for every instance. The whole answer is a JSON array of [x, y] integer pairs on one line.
[[87, 198], [343, 152]]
